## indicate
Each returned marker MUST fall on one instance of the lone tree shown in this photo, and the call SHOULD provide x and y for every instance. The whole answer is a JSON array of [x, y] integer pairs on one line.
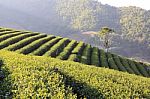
[[105, 36]]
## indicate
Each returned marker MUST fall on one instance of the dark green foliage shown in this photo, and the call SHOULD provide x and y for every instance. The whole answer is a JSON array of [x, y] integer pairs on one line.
[[24, 42], [142, 69], [86, 55], [77, 52], [126, 65], [4, 37], [2, 75], [118, 63], [45, 47], [147, 68], [57, 48], [78, 49], [5, 88], [1, 62], [103, 59], [67, 50], [34, 45], [134, 67], [7, 32], [111, 61], [15, 39], [95, 56]]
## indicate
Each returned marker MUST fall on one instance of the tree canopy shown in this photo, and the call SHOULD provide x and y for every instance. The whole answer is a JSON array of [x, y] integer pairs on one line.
[[104, 34], [80, 14]]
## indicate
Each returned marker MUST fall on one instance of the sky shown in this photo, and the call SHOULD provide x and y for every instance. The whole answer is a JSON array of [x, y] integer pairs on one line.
[[145, 4]]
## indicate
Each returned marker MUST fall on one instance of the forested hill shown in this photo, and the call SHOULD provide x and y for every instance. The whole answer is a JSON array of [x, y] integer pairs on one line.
[[132, 37], [69, 18]]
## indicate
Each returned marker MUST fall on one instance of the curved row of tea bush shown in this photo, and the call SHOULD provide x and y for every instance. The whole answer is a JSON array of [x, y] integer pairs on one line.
[[45, 47], [126, 65], [142, 69], [95, 56], [118, 63], [67, 50], [6, 36], [24, 42], [15, 39], [103, 59], [5, 29], [41, 45], [134, 67], [43, 77], [111, 62], [86, 55], [77, 52], [34, 45], [7, 32], [57, 48]]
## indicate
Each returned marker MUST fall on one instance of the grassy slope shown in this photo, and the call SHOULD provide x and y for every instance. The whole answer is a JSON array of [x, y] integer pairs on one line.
[[36, 76]]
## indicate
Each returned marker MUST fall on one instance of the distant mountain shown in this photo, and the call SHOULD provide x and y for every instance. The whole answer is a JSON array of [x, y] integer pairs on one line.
[[31, 15], [38, 8], [14, 18], [132, 24]]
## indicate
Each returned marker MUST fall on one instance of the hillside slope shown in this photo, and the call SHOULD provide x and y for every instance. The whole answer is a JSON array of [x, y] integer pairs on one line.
[[41, 77], [130, 23], [34, 43]]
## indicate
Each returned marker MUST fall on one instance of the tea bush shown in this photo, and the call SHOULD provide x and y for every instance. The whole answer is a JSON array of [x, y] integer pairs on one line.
[[43, 77]]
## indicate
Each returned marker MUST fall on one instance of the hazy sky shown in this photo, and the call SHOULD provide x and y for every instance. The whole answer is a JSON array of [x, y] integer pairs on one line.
[[119, 3]]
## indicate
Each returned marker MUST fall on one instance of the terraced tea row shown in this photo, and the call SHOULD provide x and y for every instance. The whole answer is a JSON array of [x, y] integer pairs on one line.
[[33, 43]]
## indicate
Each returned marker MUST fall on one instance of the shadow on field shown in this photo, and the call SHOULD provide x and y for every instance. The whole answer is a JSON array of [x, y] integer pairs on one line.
[[5, 82], [82, 90]]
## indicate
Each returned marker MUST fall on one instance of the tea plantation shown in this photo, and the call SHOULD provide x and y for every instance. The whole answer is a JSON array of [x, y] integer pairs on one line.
[[43, 77], [45, 66], [34, 43]]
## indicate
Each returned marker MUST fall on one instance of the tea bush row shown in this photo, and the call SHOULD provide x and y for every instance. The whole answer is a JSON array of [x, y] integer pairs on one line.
[[57, 48], [67, 50], [34, 45], [95, 56], [45, 47], [86, 55], [77, 52], [15, 39], [24, 42]]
